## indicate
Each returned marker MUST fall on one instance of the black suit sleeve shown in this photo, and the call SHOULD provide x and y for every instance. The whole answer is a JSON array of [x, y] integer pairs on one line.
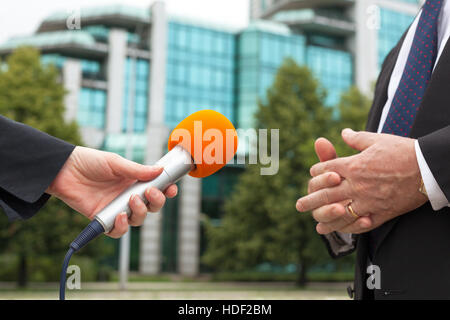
[[435, 148], [29, 162]]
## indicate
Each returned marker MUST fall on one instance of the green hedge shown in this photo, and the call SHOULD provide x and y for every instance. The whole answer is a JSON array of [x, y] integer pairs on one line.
[[290, 277], [45, 269]]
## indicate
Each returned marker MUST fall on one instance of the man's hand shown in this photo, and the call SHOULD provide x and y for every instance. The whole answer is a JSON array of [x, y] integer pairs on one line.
[[332, 214], [382, 181], [90, 179]]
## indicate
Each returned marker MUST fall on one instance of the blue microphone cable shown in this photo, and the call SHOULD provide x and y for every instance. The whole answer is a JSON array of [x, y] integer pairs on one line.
[[92, 230]]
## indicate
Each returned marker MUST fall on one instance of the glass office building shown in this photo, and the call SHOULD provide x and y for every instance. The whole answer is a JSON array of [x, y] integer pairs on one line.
[[165, 68], [392, 26], [368, 29], [262, 48], [200, 71]]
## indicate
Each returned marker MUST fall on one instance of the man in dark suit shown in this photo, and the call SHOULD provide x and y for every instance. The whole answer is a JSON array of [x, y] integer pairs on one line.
[[390, 201], [35, 166]]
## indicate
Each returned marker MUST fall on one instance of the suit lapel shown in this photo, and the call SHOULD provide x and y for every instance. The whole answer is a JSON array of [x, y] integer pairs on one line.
[[381, 88], [431, 116], [380, 99], [434, 111]]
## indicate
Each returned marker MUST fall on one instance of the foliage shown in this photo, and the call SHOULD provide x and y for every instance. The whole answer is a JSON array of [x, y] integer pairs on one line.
[[353, 109], [261, 223], [31, 93]]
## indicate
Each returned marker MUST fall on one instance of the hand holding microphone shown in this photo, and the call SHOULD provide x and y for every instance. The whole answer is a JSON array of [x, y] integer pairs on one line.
[[188, 154], [90, 179], [200, 145]]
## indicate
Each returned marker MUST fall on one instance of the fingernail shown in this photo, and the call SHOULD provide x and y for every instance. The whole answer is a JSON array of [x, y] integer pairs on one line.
[[124, 217], [299, 205], [347, 131], [152, 192]]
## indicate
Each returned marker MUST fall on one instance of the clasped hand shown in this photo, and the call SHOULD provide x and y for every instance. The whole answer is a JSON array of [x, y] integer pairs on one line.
[[381, 183]]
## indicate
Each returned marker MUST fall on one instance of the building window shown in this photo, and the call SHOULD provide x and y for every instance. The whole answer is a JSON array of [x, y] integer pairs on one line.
[[334, 70], [393, 25], [260, 55], [55, 59], [91, 69], [200, 72], [91, 108], [140, 97]]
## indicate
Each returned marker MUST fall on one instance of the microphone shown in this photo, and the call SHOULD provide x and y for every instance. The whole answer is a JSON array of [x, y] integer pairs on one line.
[[184, 156], [188, 154]]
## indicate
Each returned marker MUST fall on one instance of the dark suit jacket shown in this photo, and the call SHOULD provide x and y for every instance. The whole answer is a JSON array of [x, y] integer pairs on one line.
[[413, 250], [29, 162]]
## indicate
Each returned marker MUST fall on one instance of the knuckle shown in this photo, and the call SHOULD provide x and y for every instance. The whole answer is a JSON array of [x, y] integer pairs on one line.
[[115, 156], [359, 188], [384, 191], [353, 166], [310, 185], [325, 196]]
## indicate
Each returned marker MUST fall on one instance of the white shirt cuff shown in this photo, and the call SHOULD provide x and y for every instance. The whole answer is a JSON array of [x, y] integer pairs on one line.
[[437, 198]]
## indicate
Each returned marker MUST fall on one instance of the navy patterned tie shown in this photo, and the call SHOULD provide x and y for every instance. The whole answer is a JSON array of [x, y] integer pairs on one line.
[[414, 81], [417, 72]]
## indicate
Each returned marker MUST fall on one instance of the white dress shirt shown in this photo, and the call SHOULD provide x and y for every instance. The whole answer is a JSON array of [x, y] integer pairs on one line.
[[435, 194]]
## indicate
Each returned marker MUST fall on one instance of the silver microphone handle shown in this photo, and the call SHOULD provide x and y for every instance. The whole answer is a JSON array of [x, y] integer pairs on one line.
[[176, 163]]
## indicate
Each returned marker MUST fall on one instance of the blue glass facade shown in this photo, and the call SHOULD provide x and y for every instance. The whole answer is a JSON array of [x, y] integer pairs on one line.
[[409, 1], [141, 69], [333, 68], [91, 69], [215, 69], [260, 54], [92, 108], [55, 59], [392, 26], [200, 72]]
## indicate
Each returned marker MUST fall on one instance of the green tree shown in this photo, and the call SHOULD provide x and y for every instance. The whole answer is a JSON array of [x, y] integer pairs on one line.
[[353, 109], [261, 223], [32, 94]]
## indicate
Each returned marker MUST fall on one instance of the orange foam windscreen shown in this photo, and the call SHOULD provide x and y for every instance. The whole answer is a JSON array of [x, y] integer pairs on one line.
[[209, 137]]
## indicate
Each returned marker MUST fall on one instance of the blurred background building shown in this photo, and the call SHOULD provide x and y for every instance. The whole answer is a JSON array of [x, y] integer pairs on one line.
[[172, 67]]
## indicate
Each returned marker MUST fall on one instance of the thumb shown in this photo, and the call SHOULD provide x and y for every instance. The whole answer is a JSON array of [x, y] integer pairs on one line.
[[325, 150], [132, 170], [359, 140]]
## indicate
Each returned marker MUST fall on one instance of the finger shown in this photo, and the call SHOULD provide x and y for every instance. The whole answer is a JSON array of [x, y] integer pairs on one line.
[[347, 223], [336, 225], [125, 168], [120, 226], [359, 140], [336, 165], [326, 180], [138, 211], [362, 225], [325, 150], [323, 197], [359, 208], [156, 199], [329, 213], [171, 191]]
